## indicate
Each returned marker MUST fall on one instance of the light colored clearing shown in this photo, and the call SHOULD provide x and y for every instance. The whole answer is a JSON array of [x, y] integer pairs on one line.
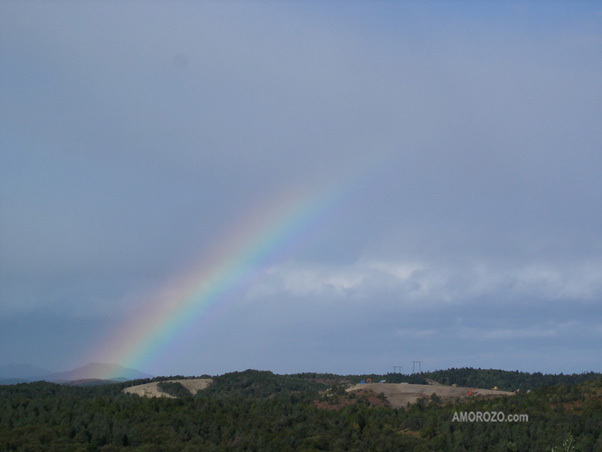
[[194, 385], [402, 394]]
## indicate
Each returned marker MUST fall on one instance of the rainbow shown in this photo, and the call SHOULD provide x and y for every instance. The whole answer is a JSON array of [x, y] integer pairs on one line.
[[267, 233]]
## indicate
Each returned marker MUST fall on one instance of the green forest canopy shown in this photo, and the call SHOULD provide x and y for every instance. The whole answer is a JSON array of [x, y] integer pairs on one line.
[[261, 411]]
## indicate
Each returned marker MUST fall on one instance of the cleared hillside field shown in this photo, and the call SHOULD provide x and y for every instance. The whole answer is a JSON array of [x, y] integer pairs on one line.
[[402, 394], [152, 390]]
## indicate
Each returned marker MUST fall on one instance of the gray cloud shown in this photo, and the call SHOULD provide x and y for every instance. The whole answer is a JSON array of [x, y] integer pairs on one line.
[[419, 282], [136, 137]]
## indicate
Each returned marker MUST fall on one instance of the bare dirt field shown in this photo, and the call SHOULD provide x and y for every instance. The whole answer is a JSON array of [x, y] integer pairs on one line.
[[151, 390], [402, 394]]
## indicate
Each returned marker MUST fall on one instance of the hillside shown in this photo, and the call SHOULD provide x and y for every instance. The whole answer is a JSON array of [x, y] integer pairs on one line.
[[191, 387], [262, 411], [401, 394], [483, 378]]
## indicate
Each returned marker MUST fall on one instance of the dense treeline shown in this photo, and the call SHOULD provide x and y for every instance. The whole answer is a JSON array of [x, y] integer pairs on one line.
[[260, 411], [173, 388], [254, 383], [485, 378]]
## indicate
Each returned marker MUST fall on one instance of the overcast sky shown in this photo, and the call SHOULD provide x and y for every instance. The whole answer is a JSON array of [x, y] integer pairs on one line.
[[467, 136]]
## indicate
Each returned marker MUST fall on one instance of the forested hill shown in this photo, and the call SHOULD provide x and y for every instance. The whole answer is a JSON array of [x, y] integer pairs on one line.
[[485, 378], [261, 411]]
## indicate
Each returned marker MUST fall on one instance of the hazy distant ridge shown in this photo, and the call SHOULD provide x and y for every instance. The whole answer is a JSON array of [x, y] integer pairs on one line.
[[25, 373], [21, 371]]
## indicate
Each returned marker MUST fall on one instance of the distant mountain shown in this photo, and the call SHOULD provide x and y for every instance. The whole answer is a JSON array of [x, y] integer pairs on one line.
[[21, 372], [92, 373], [97, 371]]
